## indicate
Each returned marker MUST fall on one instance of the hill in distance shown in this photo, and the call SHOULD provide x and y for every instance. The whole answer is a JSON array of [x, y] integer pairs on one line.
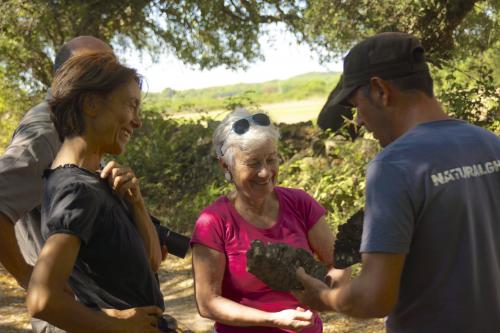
[[297, 88]]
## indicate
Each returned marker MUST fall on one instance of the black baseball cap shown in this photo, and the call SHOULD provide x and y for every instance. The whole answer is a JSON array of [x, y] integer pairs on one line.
[[388, 55], [332, 116]]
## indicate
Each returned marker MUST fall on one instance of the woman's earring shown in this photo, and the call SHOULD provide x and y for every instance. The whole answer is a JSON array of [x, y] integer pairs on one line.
[[228, 176]]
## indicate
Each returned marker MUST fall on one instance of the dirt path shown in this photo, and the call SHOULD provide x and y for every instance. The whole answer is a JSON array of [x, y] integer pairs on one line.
[[13, 315], [177, 286]]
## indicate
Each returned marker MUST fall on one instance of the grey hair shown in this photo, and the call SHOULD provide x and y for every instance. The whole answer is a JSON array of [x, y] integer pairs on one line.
[[225, 140]]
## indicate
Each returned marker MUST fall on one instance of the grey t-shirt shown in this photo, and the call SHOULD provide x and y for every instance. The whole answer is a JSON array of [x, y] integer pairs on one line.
[[31, 150], [434, 194]]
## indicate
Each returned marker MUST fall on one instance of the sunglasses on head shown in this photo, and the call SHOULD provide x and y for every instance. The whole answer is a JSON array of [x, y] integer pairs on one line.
[[242, 125]]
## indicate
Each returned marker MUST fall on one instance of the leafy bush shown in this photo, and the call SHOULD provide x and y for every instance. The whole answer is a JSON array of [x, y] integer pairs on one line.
[[178, 173], [472, 95], [327, 166], [14, 103]]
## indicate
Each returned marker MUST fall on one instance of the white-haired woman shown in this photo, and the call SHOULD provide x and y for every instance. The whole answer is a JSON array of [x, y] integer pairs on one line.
[[257, 209]]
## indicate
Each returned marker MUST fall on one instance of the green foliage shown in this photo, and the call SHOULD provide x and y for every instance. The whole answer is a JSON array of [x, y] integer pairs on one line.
[[469, 89], [202, 33], [329, 167], [476, 101], [178, 172], [13, 104], [246, 99], [448, 29], [212, 33]]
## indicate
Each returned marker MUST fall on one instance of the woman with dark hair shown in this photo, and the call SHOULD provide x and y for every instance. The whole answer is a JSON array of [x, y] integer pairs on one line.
[[99, 237]]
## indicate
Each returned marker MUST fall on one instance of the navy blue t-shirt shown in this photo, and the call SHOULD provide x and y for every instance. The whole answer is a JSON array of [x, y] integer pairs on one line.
[[434, 194], [112, 269]]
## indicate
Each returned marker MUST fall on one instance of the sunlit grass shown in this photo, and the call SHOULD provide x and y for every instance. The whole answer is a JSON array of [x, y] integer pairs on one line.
[[283, 112]]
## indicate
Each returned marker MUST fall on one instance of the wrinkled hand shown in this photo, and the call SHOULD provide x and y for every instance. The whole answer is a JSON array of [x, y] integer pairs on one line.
[[337, 277], [313, 287], [123, 181], [137, 320], [292, 319]]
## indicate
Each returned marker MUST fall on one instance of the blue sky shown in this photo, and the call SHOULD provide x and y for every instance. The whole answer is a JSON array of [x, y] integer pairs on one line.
[[284, 58]]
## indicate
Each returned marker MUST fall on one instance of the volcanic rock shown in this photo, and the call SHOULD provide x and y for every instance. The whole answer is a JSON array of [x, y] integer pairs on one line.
[[348, 241], [275, 265]]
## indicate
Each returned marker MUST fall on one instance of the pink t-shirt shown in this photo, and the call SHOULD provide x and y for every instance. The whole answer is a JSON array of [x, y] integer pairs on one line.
[[222, 228]]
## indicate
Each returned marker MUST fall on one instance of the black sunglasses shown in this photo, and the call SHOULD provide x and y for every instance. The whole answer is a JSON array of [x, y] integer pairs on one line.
[[242, 125]]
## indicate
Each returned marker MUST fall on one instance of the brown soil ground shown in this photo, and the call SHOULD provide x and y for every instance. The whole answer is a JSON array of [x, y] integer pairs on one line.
[[177, 284]]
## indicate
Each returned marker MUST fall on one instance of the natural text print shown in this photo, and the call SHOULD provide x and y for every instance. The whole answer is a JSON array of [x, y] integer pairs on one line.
[[465, 172]]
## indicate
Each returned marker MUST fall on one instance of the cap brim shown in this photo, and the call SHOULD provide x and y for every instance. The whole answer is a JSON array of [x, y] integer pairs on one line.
[[340, 94], [333, 113]]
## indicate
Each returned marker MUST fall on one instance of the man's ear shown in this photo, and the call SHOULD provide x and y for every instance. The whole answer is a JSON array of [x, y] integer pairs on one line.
[[89, 105], [380, 91]]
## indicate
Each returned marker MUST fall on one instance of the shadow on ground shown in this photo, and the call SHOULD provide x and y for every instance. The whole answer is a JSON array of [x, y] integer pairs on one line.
[[177, 285]]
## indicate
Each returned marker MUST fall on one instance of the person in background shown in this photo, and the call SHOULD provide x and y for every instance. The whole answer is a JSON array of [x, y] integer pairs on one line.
[[431, 237], [94, 221], [247, 148]]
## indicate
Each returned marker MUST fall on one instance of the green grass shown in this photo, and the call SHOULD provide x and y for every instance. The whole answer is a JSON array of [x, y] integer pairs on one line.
[[295, 111], [283, 112]]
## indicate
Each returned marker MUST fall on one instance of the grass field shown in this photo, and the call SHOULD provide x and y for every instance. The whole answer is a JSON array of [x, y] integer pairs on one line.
[[297, 88], [283, 112]]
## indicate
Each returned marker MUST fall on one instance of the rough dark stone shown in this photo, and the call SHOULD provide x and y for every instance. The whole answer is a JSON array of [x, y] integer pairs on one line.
[[275, 265], [348, 241]]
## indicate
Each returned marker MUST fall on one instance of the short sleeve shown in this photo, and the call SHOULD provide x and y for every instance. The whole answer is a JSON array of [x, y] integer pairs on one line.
[[73, 210], [21, 169], [310, 209], [389, 219], [208, 231]]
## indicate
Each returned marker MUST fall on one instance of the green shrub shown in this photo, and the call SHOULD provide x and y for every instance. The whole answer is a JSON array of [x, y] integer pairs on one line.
[[327, 166], [178, 173]]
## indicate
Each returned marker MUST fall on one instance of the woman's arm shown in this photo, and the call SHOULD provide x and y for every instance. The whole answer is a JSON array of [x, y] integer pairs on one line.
[[10, 253], [48, 300], [208, 268], [148, 234], [125, 183], [322, 243], [321, 240]]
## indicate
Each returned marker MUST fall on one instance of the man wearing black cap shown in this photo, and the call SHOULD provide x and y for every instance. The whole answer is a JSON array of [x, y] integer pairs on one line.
[[431, 238]]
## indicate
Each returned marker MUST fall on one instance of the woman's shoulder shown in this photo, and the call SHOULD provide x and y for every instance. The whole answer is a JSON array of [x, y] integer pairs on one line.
[[295, 198], [217, 209], [292, 193], [212, 222], [68, 179]]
